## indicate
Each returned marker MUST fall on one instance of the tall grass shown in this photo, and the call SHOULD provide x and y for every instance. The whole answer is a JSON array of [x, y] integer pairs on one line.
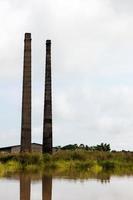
[[66, 161]]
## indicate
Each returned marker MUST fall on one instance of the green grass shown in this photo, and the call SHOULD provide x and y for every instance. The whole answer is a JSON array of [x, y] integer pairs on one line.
[[66, 162]]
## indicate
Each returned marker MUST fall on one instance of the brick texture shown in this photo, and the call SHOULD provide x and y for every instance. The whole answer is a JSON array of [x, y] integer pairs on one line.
[[47, 122], [26, 97]]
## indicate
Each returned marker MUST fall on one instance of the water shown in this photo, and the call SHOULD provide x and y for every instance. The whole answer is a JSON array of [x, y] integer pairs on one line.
[[46, 188]]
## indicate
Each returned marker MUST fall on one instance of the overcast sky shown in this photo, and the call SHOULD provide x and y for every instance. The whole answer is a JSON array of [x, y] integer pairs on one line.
[[92, 66]]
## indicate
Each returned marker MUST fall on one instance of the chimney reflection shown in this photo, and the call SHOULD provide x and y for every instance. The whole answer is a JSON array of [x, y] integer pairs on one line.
[[25, 185], [46, 188]]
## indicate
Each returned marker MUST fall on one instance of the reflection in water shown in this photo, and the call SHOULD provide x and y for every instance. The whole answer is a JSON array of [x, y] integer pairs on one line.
[[104, 178], [25, 185], [34, 187], [47, 188], [25, 188]]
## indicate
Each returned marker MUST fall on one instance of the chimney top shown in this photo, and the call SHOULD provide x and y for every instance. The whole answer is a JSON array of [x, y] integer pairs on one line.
[[48, 42], [27, 35]]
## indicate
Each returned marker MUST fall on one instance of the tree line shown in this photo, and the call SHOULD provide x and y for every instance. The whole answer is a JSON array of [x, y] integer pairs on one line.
[[100, 147]]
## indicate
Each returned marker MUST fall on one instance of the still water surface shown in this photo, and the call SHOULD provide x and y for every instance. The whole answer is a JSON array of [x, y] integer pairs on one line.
[[25, 188]]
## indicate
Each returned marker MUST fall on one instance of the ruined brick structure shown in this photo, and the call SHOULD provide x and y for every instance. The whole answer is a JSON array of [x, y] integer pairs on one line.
[[26, 97], [47, 121]]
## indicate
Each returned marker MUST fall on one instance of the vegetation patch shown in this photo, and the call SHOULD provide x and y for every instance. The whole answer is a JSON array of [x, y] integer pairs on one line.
[[78, 161]]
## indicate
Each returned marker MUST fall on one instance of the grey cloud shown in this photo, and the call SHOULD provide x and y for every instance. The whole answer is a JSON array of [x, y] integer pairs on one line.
[[91, 62], [122, 6]]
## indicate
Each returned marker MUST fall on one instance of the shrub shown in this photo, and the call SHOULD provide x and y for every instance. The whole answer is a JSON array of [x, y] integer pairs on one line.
[[107, 165]]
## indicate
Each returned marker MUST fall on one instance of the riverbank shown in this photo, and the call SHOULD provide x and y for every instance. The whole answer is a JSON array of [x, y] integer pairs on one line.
[[65, 162]]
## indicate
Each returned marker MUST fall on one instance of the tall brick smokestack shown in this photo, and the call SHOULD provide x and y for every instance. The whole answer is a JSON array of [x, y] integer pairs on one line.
[[26, 97], [47, 121]]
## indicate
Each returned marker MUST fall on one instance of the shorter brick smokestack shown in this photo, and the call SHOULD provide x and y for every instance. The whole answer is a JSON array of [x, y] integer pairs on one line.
[[47, 121]]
